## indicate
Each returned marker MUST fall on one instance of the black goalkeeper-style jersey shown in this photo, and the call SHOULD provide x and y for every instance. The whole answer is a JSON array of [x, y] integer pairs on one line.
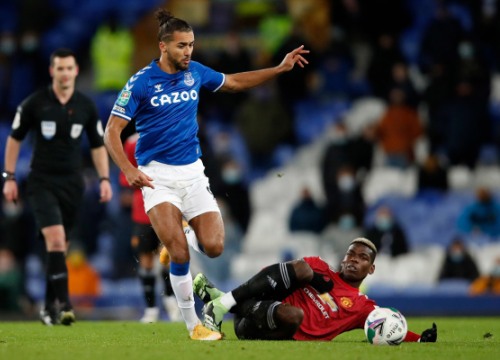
[[57, 130]]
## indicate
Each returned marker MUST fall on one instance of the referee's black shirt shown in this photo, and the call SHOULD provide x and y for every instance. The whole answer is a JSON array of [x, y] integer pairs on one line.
[[57, 130]]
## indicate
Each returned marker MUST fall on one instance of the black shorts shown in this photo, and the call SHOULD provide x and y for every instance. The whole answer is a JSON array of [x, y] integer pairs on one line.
[[55, 199], [148, 240]]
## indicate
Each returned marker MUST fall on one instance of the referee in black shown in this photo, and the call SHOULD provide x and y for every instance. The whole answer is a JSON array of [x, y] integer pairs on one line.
[[57, 116]]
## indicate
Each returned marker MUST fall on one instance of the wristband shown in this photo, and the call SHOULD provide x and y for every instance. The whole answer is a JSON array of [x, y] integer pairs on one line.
[[7, 175], [103, 178]]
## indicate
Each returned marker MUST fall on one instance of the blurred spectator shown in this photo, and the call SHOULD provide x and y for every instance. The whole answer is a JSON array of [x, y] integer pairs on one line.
[[343, 195], [386, 233], [336, 235], [482, 216], [235, 191], [458, 263], [263, 123], [489, 283], [111, 37], [18, 236], [11, 284], [398, 130], [440, 39], [336, 154], [400, 79], [487, 20], [306, 214], [345, 150], [232, 58], [84, 281], [293, 88], [333, 68], [361, 148], [92, 212], [385, 54], [111, 72], [29, 64], [432, 176], [349, 16], [386, 17], [465, 125]]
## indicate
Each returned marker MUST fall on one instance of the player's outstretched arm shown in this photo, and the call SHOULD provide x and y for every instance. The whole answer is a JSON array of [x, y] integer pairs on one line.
[[249, 79]]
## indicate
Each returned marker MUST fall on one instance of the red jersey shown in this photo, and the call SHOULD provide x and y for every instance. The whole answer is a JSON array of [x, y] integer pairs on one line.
[[328, 315], [138, 212]]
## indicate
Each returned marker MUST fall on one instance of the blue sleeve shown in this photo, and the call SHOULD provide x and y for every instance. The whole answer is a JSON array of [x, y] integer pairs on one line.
[[211, 79], [128, 100]]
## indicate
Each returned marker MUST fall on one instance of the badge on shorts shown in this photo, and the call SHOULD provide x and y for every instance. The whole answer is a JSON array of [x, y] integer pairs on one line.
[[48, 129], [124, 97], [76, 130]]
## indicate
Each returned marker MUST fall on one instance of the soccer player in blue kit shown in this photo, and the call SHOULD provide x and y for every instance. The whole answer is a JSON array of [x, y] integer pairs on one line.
[[162, 98]]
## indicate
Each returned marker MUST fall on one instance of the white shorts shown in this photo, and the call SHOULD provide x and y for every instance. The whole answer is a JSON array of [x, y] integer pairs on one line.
[[184, 186]]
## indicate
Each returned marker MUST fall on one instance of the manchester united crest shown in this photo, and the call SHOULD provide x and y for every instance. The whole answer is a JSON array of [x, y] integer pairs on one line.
[[346, 302]]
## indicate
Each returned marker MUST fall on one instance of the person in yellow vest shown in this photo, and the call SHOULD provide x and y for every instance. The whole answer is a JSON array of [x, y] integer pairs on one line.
[[110, 72], [111, 52]]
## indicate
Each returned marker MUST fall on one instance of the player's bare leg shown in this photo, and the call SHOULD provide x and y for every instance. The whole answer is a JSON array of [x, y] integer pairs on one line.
[[167, 223]]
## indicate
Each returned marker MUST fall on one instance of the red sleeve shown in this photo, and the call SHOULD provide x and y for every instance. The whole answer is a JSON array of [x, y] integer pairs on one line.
[[411, 337], [129, 148]]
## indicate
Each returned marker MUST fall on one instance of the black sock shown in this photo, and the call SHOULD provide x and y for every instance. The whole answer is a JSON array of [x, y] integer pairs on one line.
[[274, 282], [148, 280], [57, 274], [50, 298], [167, 284]]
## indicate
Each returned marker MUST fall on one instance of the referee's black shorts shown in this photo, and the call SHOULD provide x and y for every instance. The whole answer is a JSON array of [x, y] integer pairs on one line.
[[148, 240], [55, 199]]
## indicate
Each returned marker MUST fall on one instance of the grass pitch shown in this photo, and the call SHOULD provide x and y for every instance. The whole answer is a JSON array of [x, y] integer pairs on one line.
[[458, 338]]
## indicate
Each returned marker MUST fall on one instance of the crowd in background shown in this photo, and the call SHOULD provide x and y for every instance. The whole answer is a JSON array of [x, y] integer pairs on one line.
[[431, 63]]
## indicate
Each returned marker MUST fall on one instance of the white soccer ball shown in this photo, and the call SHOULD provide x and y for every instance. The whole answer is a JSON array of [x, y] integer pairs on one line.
[[385, 326]]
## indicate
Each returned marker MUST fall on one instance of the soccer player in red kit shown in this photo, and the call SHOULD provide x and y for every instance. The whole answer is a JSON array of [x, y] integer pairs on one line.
[[302, 299]]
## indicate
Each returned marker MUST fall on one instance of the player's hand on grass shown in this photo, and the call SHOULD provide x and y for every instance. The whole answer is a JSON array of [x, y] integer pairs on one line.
[[429, 335]]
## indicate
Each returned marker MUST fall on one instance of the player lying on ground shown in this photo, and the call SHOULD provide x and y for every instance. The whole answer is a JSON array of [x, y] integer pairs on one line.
[[302, 299]]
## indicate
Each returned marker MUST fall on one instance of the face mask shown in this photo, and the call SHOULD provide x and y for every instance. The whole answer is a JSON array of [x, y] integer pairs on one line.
[[465, 50], [7, 46], [231, 176], [383, 223], [456, 257], [346, 222], [29, 44], [496, 272], [346, 183]]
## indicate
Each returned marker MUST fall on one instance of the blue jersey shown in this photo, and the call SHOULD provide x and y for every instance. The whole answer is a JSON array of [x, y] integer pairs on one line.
[[164, 107]]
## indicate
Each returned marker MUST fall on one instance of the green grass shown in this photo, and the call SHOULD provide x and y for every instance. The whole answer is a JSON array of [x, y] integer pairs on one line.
[[458, 338]]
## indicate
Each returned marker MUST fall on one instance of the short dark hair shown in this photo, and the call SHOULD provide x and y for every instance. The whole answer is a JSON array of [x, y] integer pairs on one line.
[[168, 24], [61, 53]]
